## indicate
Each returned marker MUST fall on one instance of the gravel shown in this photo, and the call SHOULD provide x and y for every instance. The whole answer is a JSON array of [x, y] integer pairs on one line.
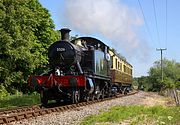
[[74, 117]]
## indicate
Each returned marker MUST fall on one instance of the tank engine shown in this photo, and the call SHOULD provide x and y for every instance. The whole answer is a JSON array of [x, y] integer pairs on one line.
[[80, 70]]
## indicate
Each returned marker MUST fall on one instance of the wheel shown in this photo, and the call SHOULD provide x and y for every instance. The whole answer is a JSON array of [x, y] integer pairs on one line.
[[87, 98], [92, 97], [103, 94], [128, 89], [44, 99], [125, 91], [109, 93], [75, 96], [98, 96], [58, 101]]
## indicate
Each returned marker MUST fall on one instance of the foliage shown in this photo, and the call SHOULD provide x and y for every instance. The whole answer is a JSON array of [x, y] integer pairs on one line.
[[3, 92], [171, 73], [26, 31], [136, 115], [19, 100], [153, 82]]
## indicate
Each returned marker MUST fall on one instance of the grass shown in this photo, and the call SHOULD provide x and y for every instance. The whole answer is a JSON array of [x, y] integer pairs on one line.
[[136, 115], [19, 100]]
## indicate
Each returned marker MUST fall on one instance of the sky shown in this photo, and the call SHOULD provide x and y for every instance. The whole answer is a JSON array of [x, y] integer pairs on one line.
[[121, 25]]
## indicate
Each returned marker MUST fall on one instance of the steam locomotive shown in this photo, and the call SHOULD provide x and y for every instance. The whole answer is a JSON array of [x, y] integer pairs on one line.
[[82, 69]]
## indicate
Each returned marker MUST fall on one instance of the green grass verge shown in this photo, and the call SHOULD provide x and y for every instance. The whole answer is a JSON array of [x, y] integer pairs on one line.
[[19, 100], [136, 115]]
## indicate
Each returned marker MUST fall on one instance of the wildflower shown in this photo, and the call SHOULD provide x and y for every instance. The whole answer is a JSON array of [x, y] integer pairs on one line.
[[160, 117], [162, 123], [170, 118]]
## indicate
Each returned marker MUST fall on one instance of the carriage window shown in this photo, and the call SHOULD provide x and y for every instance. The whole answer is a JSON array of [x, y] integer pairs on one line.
[[116, 64], [121, 66], [124, 68], [111, 61]]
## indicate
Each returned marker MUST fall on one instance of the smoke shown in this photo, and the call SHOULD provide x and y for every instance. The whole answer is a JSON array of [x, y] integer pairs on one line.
[[112, 20]]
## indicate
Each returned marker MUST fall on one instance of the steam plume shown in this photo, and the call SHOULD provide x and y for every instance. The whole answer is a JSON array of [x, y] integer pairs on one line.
[[111, 19]]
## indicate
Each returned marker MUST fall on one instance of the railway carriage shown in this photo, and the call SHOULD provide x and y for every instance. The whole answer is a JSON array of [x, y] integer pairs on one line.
[[121, 72], [80, 70]]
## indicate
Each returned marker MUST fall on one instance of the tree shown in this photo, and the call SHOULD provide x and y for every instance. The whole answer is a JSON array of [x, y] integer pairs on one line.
[[153, 82], [26, 31], [171, 71], [143, 83]]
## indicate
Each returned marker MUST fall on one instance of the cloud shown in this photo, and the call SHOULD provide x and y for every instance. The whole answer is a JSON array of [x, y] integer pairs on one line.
[[112, 19]]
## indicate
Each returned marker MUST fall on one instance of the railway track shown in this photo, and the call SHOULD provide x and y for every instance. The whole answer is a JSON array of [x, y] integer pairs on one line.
[[18, 114]]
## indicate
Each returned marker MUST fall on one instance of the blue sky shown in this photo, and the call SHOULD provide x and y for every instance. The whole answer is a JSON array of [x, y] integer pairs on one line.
[[140, 50]]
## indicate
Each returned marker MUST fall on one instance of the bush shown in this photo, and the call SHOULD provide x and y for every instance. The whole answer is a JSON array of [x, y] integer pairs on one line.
[[3, 92]]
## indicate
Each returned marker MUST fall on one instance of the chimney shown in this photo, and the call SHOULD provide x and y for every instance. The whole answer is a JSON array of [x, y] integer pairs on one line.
[[65, 34]]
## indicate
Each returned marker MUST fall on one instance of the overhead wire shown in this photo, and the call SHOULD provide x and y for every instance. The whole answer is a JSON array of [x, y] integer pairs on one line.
[[147, 27], [166, 24], [156, 23], [166, 27]]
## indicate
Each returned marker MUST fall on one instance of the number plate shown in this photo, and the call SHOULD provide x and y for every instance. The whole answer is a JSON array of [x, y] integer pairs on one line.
[[61, 49]]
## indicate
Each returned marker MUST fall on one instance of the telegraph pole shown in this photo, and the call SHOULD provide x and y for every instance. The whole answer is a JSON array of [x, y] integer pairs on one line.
[[161, 49]]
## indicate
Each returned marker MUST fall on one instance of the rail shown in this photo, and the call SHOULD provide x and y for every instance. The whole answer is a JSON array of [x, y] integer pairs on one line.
[[8, 116]]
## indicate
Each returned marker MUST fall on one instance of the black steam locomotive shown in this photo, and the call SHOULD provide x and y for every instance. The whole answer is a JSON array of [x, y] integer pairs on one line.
[[80, 71]]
